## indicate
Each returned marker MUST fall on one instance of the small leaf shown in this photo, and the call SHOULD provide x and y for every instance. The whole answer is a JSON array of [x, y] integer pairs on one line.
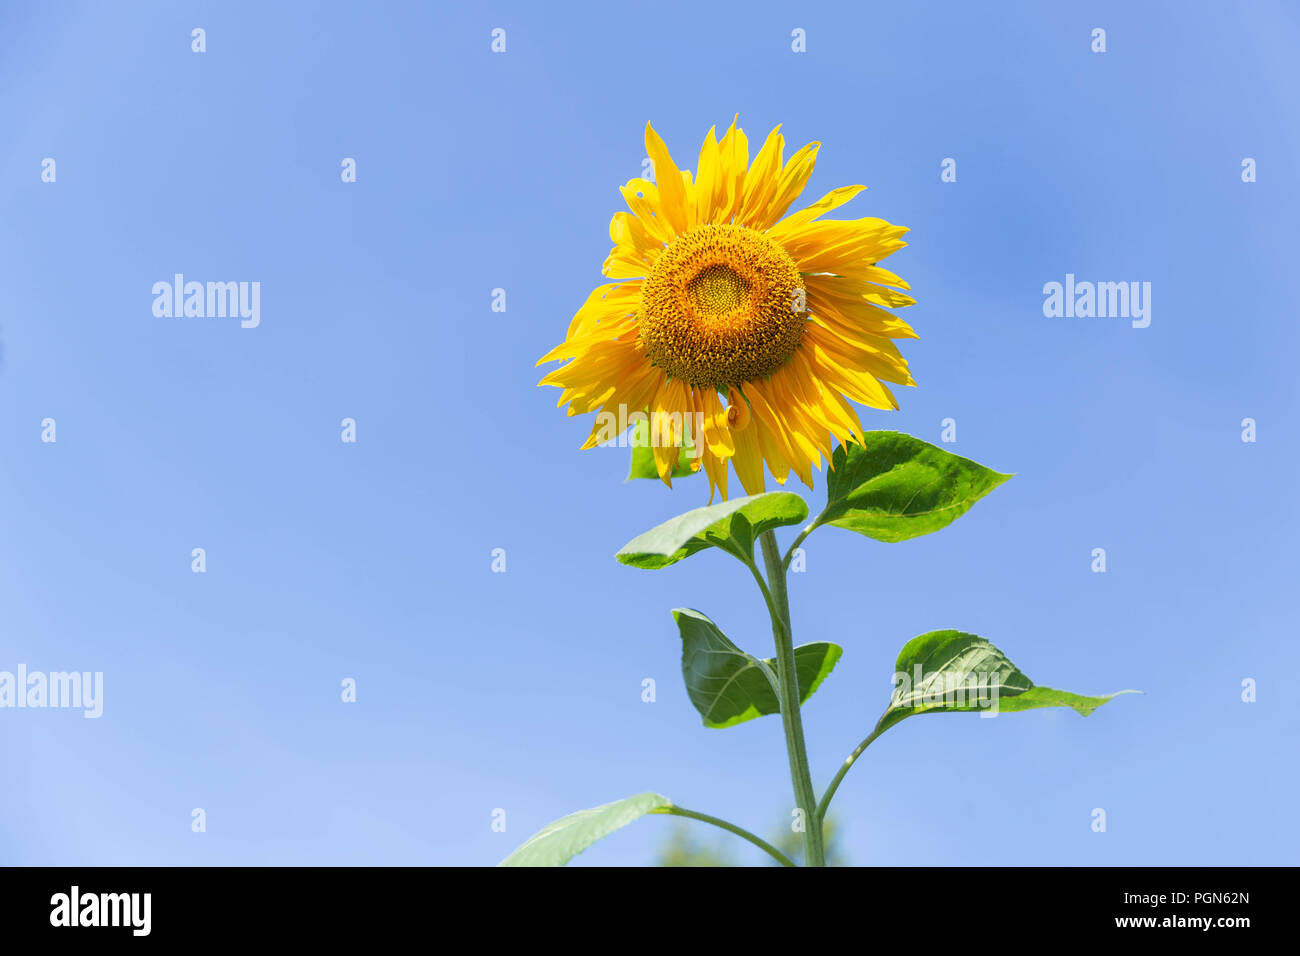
[[559, 842], [952, 671], [898, 487], [643, 455], [732, 525], [728, 686]]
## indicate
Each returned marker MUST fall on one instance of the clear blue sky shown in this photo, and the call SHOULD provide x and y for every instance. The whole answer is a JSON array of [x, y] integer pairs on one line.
[[523, 690]]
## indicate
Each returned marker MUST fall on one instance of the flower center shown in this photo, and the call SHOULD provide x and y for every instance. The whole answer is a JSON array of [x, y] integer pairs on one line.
[[723, 305], [717, 290]]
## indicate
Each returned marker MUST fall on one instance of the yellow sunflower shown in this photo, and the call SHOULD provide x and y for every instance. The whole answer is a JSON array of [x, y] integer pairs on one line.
[[724, 314]]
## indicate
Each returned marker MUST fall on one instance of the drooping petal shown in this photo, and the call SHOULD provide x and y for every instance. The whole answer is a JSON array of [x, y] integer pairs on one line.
[[670, 407], [632, 395], [878, 356], [738, 413], [801, 412], [824, 405], [748, 458], [716, 470], [796, 450], [862, 387], [717, 436]]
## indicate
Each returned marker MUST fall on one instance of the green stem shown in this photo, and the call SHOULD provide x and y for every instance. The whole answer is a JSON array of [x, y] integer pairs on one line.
[[839, 774], [788, 691], [731, 827]]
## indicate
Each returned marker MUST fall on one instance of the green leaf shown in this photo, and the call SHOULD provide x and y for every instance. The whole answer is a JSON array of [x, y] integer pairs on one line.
[[732, 525], [728, 686], [557, 843], [643, 455], [950, 671], [898, 487]]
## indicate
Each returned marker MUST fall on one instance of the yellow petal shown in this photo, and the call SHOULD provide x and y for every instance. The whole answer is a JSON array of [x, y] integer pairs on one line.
[[642, 197], [668, 409], [707, 179], [629, 234], [862, 387], [618, 266], [789, 185], [848, 292], [795, 450], [716, 470], [760, 181], [738, 413], [878, 356], [802, 412], [733, 159], [717, 437], [832, 200], [614, 299], [748, 459], [672, 191], [843, 247], [824, 405], [691, 202], [854, 323]]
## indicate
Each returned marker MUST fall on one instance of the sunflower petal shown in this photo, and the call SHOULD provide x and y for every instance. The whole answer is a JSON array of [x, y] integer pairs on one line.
[[850, 292], [832, 200], [672, 190], [789, 185], [642, 197], [760, 181], [842, 247], [733, 154], [748, 459], [707, 178]]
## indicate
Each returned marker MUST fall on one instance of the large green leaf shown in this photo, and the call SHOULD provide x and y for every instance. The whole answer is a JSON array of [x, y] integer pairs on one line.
[[898, 487], [732, 525], [951, 671], [728, 686], [559, 842], [643, 455]]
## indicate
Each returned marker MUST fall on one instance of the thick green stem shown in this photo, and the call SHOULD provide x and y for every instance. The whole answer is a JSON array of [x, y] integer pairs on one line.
[[732, 828], [814, 851]]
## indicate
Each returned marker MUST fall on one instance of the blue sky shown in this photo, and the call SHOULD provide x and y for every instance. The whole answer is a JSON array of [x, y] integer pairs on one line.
[[522, 690]]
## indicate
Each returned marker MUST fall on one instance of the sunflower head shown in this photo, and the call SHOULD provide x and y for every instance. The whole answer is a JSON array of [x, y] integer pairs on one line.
[[719, 307], [741, 331]]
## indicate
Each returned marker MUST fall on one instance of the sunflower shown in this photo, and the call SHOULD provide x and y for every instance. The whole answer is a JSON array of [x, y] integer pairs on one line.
[[723, 313]]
